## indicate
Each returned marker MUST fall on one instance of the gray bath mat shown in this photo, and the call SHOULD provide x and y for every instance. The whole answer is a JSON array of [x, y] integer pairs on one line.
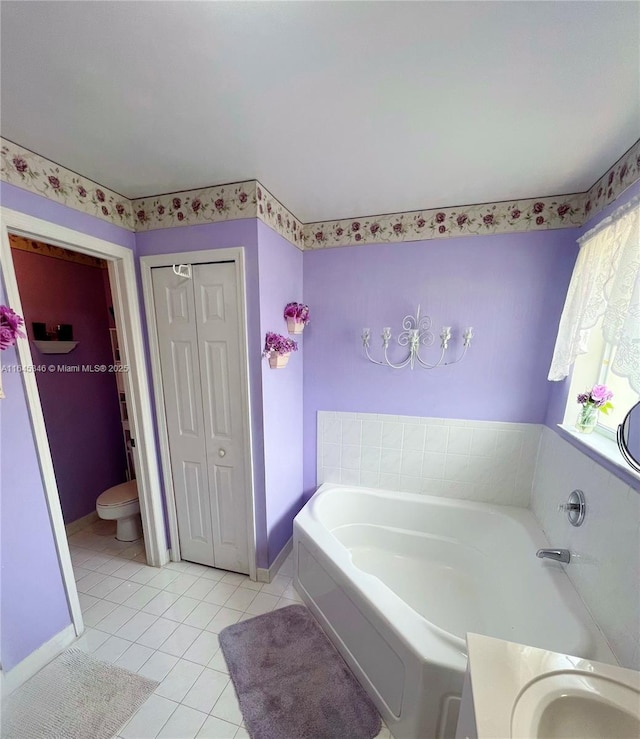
[[292, 683], [74, 697]]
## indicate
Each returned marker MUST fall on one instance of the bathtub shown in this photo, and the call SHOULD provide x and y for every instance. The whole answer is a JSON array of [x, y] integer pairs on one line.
[[396, 580]]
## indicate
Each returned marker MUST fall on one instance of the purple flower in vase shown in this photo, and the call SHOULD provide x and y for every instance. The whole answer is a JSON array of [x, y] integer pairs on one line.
[[10, 324]]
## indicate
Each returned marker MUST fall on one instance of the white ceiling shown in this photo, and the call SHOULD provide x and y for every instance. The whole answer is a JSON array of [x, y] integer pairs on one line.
[[340, 109]]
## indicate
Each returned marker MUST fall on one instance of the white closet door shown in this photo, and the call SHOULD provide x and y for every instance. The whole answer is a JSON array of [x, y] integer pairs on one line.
[[179, 360], [218, 329]]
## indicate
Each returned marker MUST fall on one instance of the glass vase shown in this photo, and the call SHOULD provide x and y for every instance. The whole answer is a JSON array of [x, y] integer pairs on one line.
[[587, 419]]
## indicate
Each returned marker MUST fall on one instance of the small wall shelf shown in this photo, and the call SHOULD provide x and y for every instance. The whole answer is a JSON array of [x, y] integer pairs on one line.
[[55, 347]]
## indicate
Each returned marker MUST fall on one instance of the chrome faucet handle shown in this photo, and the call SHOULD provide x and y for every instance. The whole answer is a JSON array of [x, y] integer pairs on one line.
[[575, 507]]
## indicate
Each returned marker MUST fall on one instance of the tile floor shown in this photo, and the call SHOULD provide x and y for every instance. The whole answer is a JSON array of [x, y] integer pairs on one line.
[[164, 624]]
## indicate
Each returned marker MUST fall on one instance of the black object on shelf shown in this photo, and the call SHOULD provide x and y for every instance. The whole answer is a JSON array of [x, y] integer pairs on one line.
[[65, 332], [40, 331]]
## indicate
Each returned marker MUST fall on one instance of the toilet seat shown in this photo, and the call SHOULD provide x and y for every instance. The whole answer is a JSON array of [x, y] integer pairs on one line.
[[120, 503], [126, 492]]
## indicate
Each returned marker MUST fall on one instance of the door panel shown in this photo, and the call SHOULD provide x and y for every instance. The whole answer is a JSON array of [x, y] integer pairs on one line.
[[180, 365], [218, 330]]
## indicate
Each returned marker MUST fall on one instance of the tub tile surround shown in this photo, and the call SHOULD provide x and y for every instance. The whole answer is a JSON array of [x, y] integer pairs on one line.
[[605, 566], [250, 199], [483, 461]]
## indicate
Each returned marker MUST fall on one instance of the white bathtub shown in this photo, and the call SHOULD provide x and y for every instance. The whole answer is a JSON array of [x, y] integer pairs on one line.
[[397, 580]]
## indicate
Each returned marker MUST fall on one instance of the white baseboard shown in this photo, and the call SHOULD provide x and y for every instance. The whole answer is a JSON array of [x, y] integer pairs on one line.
[[37, 660], [267, 575], [81, 523]]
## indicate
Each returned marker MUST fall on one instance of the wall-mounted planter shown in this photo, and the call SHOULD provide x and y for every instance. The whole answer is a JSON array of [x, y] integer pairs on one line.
[[294, 326], [55, 347], [278, 361]]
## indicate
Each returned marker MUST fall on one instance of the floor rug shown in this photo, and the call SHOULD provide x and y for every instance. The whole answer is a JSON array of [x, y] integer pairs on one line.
[[74, 697], [292, 683]]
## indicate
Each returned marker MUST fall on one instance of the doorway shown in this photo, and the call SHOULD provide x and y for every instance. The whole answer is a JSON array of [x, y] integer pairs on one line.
[[120, 263], [195, 309]]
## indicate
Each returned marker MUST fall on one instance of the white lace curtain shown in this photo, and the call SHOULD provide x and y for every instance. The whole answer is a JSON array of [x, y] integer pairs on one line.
[[605, 282]]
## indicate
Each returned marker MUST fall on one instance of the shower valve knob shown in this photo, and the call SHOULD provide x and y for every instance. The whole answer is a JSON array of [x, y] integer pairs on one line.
[[221, 452]]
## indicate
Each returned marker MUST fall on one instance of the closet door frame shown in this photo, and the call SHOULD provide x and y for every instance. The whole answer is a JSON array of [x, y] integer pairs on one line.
[[235, 255]]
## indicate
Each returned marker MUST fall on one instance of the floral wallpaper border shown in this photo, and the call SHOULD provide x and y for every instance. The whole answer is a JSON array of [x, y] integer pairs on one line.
[[251, 199], [32, 172]]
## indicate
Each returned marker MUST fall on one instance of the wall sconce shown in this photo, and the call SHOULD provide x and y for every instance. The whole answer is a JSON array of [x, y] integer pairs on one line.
[[417, 332]]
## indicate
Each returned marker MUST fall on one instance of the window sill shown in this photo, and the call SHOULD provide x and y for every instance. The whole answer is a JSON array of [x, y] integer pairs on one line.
[[603, 450]]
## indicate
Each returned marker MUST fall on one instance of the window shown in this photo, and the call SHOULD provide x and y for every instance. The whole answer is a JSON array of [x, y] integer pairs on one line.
[[599, 332], [594, 367]]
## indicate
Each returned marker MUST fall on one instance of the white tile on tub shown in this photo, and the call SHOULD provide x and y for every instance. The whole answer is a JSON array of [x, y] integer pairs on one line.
[[350, 477], [389, 481], [331, 455], [414, 436], [483, 442], [350, 457], [370, 459], [458, 468], [372, 433], [459, 440], [433, 465], [390, 461], [351, 432], [509, 443], [328, 474], [392, 435], [410, 484], [369, 479], [411, 462], [332, 431], [436, 439]]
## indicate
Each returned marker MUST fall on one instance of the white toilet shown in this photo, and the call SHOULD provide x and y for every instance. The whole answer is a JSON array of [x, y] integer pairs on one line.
[[120, 503]]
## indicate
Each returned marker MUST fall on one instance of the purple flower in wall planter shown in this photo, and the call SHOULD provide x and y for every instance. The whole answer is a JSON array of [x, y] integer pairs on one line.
[[277, 349], [10, 323], [297, 317]]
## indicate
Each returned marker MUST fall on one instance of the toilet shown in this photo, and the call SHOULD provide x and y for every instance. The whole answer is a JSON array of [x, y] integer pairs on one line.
[[120, 503]]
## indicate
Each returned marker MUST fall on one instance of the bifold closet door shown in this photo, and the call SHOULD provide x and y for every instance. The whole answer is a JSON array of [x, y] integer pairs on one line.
[[198, 336]]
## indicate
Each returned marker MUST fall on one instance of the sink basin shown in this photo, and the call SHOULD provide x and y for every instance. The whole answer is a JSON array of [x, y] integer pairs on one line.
[[576, 705]]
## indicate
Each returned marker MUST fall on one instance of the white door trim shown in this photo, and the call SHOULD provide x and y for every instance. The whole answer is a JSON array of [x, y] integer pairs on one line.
[[236, 255], [127, 312]]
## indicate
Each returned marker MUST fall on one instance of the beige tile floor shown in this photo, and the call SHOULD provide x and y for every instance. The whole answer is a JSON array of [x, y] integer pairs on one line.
[[164, 624]]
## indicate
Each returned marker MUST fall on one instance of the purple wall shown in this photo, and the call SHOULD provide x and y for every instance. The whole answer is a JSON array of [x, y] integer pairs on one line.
[[280, 283], [509, 287], [218, 236], [33, 606], [80, 409]]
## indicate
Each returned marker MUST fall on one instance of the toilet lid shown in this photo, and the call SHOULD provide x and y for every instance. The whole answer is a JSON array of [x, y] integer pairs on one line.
[[126, 492]]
